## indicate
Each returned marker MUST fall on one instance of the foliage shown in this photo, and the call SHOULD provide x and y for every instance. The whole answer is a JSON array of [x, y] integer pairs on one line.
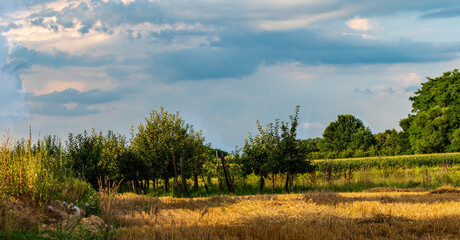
[[436, 114], [275, 149], [163, 140], [429, 131], [93, 155], [348, 132], [309, 146]]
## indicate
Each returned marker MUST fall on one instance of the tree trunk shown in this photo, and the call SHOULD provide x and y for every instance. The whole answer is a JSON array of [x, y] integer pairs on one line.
[[228, 180], [287, 182], [182, 176], [219, 181], [175, 171], [291, 183], [195, 181]]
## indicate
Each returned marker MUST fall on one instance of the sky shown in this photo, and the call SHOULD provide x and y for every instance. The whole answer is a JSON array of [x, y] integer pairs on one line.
[[72, 65]]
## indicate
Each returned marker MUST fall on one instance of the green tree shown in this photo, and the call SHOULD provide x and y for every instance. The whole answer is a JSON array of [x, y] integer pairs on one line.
[[348, 132], [94, 155], [429, 131], [162, 141], [436, 114], [293, 160], [387, 142], [309, 146], [84, 154], [261, 153]]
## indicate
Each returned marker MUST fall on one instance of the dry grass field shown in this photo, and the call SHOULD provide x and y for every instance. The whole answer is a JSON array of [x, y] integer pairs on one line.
[[378, 214]]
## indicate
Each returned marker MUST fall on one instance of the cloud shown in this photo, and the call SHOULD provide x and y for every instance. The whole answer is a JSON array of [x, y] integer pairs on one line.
[[23, 58], [72, 102], [363, 91], [173, 43], [445, 13], [95, 96], [237, 55], [57, 109], [359, 24]]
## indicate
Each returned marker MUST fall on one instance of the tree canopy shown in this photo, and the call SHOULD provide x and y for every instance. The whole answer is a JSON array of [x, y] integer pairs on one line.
[[348, 132], [433, 126]]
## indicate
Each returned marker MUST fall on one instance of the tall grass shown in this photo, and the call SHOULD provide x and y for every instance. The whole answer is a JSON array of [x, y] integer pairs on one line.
[[27, 174], [32, 179]]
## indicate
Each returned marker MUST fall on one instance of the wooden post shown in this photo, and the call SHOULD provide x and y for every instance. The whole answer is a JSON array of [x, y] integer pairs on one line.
[[226, 173]]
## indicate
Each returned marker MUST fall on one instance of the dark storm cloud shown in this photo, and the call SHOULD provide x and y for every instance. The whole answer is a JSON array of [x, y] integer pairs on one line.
[[238, 55]]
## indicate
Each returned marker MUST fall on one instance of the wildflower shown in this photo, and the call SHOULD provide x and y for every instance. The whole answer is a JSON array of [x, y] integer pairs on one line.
[[50, 207], [64, 203], [71, 204], [111, 227], [86, 205]]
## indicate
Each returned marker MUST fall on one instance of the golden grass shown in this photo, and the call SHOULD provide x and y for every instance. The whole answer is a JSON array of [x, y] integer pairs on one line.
[[315, 215]]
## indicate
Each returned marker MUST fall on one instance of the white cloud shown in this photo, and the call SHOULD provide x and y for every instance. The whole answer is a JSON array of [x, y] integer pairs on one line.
[[59, 5], [127, 2], [359, 24], [410, 79], [54, 36]]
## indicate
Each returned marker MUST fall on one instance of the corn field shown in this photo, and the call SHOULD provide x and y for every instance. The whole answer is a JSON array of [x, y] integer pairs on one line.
[[406, 161]]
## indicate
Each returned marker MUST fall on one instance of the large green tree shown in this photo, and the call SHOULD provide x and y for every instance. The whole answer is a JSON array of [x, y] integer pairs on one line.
[[348, 132], [168, 145], [435, 117]]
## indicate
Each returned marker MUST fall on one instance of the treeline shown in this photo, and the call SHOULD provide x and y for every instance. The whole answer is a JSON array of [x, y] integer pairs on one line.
[[432, 127], [165, 154]]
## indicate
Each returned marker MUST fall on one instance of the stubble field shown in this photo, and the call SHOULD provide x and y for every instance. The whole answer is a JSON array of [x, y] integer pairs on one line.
[[377, 214]]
